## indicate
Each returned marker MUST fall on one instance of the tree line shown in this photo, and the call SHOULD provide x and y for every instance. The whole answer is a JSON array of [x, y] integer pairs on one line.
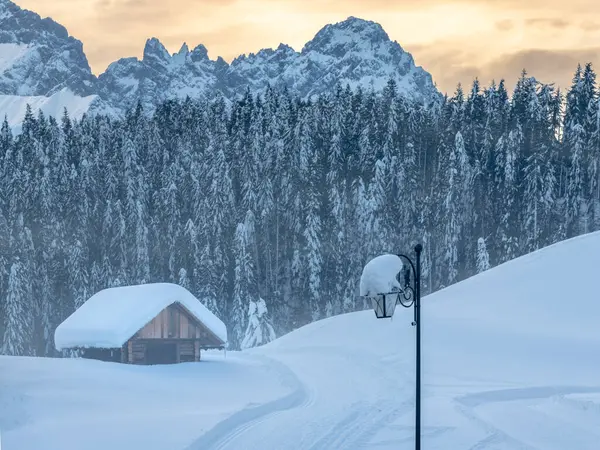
[[267, 208]]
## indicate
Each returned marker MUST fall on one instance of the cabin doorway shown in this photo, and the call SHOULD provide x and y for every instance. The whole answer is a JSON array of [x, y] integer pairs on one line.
[[161, 353]]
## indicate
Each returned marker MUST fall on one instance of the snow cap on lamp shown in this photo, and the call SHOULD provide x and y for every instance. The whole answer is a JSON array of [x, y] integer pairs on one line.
[[379, 278]]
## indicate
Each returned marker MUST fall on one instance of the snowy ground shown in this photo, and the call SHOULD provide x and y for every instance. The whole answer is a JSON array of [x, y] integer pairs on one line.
[[511, 360]]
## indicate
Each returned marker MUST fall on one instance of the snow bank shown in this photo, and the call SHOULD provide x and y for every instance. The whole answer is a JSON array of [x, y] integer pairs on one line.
[[112, 316], [379, 276]]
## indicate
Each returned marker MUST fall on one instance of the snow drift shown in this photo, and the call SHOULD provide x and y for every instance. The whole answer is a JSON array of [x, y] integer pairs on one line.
[[510, 361]]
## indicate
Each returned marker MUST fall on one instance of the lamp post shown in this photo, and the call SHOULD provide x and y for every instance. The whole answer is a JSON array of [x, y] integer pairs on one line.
[[407, 294]]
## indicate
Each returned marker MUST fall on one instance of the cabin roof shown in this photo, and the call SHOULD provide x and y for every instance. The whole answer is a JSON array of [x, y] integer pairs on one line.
[[112, 316]]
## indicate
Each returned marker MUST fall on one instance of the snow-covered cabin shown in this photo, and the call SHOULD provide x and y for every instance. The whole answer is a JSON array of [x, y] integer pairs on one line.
[[158, 323]]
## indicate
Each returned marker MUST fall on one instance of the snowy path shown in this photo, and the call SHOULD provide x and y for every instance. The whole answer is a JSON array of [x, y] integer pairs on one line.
[[237, 425], [339, 411], [327, 412]]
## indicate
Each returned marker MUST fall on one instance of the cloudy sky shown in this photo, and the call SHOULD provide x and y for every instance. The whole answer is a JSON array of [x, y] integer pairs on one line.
[[455, 40]]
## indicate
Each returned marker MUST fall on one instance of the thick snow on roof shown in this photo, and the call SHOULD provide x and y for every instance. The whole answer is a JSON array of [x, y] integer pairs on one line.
[[379, 276], [112, 316]]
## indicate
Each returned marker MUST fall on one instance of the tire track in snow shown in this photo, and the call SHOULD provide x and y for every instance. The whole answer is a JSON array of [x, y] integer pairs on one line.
[[360, 424], [229, 429], [466, 406], [495, 436], [365, 419], [352, 431]]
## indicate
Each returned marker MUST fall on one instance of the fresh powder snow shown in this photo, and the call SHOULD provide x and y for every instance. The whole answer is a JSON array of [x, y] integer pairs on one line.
[[112, 316], [380, 276], [510, 360]]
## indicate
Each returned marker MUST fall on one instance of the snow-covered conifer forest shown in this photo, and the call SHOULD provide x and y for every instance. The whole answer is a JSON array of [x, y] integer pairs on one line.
[[272, 205]]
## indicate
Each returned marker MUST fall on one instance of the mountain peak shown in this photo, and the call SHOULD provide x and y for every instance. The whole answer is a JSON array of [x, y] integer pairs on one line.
[[155, 51], [335, 39], [358, 25], [199, 53], [41, 58], [184, 50]]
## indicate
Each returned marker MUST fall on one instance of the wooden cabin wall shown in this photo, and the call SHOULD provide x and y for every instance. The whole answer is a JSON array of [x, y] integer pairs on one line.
[[172, 323], [136, 351], [184, 350], [177, 331], [102, 354]]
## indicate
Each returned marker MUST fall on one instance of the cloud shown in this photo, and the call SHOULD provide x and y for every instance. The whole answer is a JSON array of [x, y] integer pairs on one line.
[[547, 66], [548, 22], [588, 25], [504, 25]]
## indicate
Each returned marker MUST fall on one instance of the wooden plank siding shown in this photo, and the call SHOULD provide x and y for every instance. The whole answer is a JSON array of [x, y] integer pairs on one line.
[[172, 322], [174, 326], [186, 350], [175, 322]]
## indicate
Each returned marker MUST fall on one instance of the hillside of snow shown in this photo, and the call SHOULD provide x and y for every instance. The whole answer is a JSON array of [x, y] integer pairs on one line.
[[511, 360], [13, 107]]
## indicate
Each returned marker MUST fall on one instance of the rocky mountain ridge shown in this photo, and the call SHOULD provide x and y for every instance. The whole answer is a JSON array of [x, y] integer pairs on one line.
[[39, 58]]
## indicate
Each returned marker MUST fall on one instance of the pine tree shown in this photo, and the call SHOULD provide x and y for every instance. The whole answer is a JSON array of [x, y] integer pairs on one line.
[[79, 279], [245, 290], [18, 326], [575, 202], [309, 166], [483, 258], [575, 142], [259, 330]]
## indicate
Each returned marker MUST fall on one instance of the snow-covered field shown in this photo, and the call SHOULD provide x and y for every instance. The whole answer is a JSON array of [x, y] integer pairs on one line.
[[511, 360]]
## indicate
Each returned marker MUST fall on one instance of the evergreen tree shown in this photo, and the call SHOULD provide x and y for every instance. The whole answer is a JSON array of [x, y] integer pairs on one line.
[[483, 258], [245, 290], [17, 326], [259, 330], [277, 198]]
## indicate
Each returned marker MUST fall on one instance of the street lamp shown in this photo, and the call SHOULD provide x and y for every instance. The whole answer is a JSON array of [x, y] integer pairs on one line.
[[380, 282]]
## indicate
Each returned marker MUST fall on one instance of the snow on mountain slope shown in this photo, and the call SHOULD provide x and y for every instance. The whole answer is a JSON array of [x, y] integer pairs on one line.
[[39, 58], [14, 106], [10, 54], [511, 360], [159, 76], [52, 59], [355, 52], [42, 65]]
